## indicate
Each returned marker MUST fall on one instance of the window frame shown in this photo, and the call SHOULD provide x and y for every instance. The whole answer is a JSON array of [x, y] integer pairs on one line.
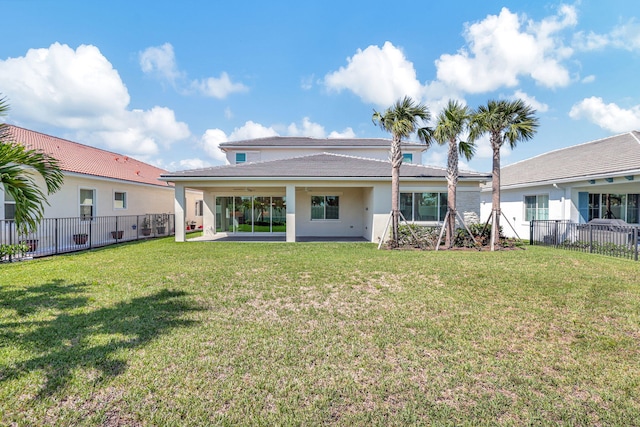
[[407, 157], [244, 158], [9, 200], [537, 210], [325, 204], [93, 204], [124, 200], [441, 207], [199, 207]]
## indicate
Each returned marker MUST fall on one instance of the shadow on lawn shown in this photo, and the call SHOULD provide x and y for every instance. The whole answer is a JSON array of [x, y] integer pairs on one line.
[[87, 340]]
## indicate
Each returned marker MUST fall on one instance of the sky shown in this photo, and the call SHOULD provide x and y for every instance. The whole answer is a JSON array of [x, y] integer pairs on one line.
[[166, 81]]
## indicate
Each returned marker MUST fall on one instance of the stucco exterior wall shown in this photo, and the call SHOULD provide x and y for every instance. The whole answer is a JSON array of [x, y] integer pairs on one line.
[[140, 198], [382, 153], [563, 202], [351, 213]]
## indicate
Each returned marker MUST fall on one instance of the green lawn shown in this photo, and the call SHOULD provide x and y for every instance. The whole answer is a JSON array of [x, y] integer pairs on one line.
[[201, 333]]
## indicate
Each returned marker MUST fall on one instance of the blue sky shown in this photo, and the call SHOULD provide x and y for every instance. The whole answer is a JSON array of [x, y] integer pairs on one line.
[[167, 81]]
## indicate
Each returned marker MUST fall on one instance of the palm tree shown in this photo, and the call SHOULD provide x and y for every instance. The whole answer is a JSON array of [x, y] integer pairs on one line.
[[451, 123], [17, 167], [505, 121], [401, 120]]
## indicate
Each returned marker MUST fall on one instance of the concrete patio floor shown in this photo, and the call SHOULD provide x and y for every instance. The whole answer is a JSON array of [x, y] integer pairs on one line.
[[222, 237]]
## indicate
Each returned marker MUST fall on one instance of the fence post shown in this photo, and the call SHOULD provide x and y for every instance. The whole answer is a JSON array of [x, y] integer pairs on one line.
[[590, 239], [635, 243], [116, 229], [531, 232]]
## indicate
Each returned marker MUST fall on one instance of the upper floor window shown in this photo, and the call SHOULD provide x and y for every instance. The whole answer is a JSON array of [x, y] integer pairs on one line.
[[241, 157], [536, 207], [119, 200], [407, 157], [325, 207], [87, 203]]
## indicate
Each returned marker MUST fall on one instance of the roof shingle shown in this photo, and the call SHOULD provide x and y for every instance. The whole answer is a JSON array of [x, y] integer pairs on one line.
[[321, 165], [614, 155], [83, 159]]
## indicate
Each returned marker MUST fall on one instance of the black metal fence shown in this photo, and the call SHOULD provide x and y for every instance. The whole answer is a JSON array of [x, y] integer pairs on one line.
[[60, 235], [613, 240]]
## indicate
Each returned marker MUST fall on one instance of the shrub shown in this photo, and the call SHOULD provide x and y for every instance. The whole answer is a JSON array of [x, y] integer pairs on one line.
[[7, 251]]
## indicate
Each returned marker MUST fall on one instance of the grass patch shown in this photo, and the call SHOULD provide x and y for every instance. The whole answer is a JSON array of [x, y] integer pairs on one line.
[[202, 333]]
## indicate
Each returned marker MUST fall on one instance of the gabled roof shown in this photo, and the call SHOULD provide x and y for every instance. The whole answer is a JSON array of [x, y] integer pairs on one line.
[[614, 155], [321, 165], [82, 159], [307, 142]]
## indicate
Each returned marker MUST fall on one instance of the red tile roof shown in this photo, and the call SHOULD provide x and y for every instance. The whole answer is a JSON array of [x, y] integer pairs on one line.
[[82, 159]]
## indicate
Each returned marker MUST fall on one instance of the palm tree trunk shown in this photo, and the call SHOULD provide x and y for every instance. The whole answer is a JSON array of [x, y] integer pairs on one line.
[[452, 182], [495, 195], [396, 162]]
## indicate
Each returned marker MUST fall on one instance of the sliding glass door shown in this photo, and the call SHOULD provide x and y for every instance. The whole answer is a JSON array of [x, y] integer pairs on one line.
[[251, 214]]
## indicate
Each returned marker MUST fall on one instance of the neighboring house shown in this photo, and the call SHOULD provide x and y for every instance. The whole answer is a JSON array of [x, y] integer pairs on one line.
[[597, 179], [303, 187], [96, 182]]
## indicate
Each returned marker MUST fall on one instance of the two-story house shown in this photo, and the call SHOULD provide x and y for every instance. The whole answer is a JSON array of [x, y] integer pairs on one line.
[[305, 187]]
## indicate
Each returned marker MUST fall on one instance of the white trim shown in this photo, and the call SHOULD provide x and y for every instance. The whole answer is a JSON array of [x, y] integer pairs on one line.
[[125, 201]]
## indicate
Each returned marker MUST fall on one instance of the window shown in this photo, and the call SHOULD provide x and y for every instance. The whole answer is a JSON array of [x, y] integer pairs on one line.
[[407, 157], [423, 206], [119, 200], [616, 206], [325, 207], [536, 207], [9, 206], [87, 203], [199, 207], [241, 157]]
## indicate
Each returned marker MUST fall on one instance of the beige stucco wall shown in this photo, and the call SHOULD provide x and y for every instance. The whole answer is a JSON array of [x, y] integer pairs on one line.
[[381, 153], [351, 213], [141, 199]]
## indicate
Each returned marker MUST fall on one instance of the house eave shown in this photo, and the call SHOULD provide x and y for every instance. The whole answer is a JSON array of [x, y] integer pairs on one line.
[[575, 179]]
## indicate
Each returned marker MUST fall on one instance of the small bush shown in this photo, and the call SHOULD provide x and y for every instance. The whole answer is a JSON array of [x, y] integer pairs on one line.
[[7, 251]]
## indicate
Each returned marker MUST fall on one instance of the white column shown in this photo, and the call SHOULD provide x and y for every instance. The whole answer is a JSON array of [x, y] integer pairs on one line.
[[180, 203], [291, 213], [209, 213]]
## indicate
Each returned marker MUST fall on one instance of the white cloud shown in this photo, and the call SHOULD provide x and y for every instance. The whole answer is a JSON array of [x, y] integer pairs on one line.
[[607, 116], [212, 138], [625, 36], [501, 51], [79, 90], [589, 79], [377, 75], [210, 141], [228, 114], [306, 83], [218, 87], [348, 133], [251, 130], [160, 60], [307, 128], [531, 101]]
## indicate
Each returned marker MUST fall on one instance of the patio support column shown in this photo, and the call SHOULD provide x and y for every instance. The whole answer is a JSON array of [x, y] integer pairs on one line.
[[291, 212], [209, 213], [180, 203]]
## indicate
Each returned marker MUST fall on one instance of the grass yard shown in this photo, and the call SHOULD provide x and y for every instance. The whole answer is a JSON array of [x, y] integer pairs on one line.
[[162, 333]]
